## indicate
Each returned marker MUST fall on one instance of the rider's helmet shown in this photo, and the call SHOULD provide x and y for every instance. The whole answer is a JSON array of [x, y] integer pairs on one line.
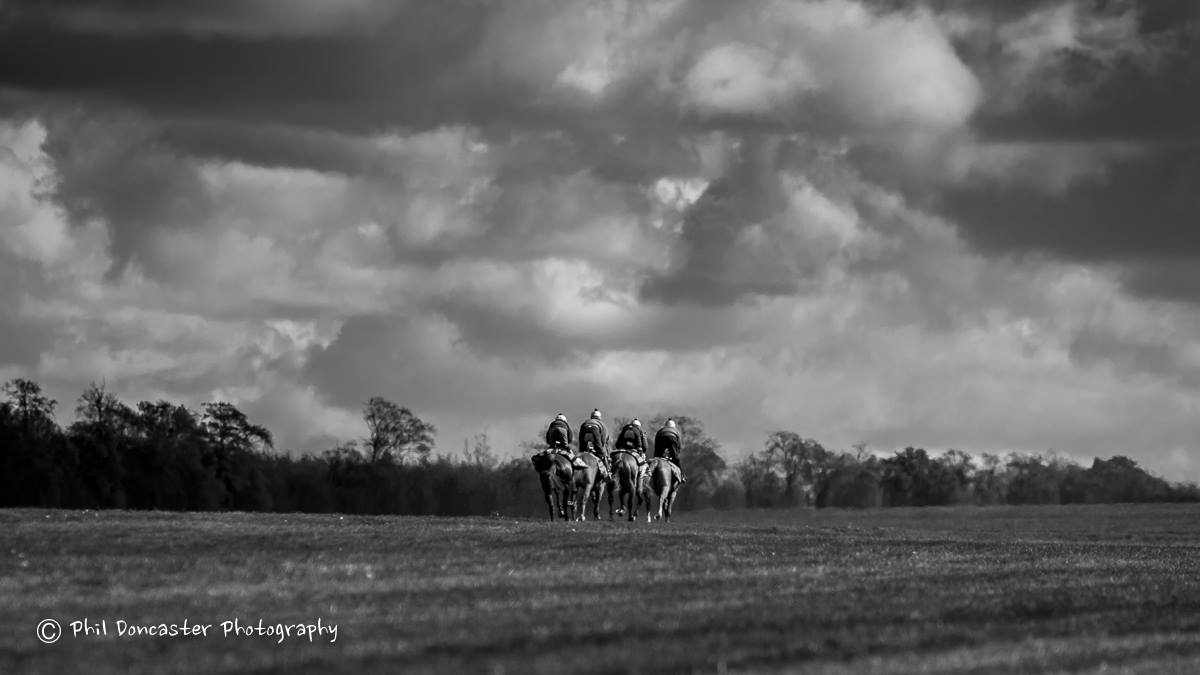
[[560, 418], [670, 424], [637, 423], [596, 414]]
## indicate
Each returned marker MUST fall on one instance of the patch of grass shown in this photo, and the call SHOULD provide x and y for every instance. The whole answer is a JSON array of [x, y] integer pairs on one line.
[[976, 590]]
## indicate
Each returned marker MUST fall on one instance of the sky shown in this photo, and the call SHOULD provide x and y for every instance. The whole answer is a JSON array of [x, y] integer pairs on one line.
[[946, 224]]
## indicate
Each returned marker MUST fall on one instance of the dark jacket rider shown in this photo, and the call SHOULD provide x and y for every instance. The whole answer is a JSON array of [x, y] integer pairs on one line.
[[560, 439], [633, 439], [558, 434], [667, 444], [593, 430]]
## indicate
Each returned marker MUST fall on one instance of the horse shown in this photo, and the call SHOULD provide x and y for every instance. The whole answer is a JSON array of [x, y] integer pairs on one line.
[[556, 475], [644, 493], [664, 481], [589, 483], [627, 487]]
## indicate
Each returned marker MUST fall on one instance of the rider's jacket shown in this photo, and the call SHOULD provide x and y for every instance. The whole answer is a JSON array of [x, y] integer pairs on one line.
[[559, 432], [593, 428], [631, 438]]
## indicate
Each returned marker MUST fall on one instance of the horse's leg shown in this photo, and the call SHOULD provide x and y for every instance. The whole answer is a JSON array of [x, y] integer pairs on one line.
[[581, 504], [574, 496], [549, 494], [571, 499], [631, 493], [566, 478], [662, 499], [581, 498], [589, 496]]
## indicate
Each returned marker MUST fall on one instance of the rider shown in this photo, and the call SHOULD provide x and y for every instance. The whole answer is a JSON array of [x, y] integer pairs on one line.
[[593, 429], [559, 438], [633, 439], [667, 444]]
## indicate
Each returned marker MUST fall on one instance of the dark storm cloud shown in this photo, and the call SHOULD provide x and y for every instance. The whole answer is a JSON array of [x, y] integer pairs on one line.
[[1113, 71], [1132, 104], [525, 337], [278, 146], [112, 170], [404, 358], [1160, 358], [1137, 210], [1167, 279], [206, 17], [302, 92], [708, 270], [520, 336], [705, 275], [402, 74], [355, 363], [1144, 207]]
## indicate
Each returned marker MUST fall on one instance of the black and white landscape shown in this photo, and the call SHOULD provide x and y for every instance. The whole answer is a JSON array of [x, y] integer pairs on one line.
[[350, 257]]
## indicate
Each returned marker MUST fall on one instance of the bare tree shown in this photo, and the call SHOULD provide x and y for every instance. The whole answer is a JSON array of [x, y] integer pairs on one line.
[[102, 414], [802, 461], [480, 452], [229, 429], [395, 433], [33, 411]]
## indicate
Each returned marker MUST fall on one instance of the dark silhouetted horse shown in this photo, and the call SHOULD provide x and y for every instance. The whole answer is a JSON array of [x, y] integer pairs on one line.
[[627, 486], [588, 484], [664, 482], [556, 475]]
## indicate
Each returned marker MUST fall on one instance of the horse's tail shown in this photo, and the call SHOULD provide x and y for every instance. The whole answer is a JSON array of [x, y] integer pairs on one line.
[[660, 477], [626, 485], [550, 491]]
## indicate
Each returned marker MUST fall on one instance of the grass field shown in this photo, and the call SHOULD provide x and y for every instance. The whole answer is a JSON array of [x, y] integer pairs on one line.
[[978, 590]]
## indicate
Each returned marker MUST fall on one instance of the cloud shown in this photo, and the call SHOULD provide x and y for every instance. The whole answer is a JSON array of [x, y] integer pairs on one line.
[[113, 172], [1061, 50], [735, 80], [240, 18], [906, 223], [1137, 209], [1073, 70]]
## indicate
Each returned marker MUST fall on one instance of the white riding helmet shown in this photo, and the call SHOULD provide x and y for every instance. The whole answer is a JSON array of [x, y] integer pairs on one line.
[[670, 424], [596, 414], [637, 423], [560, 418]]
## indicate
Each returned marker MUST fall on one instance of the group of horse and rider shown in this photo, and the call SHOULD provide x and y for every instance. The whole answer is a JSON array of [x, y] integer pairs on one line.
[[569, 478]]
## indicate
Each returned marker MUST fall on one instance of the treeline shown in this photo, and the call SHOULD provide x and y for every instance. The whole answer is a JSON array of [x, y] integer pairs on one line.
[[792, 470], [161, 455]]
